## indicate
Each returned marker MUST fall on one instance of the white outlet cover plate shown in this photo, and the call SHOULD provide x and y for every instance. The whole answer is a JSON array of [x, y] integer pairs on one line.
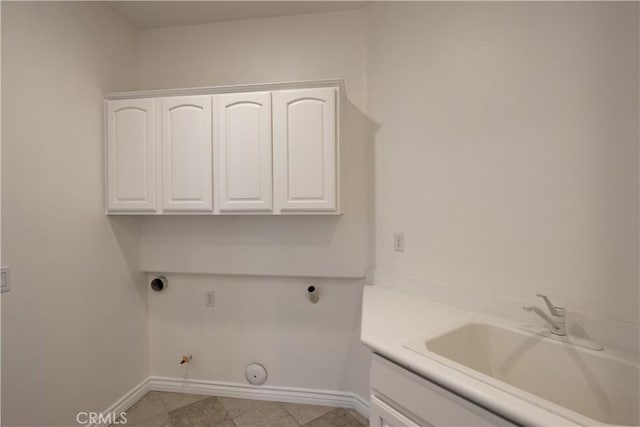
[[210, 299], [398, 241], [4, 279]]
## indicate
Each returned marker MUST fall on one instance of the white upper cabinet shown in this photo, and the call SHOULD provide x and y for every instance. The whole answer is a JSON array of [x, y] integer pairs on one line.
[[186, 154], [242, 152], [304, 150], [131, 155], [266, 149]]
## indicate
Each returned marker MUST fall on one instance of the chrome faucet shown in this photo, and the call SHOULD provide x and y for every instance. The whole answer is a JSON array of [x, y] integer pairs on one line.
[[557, 319]]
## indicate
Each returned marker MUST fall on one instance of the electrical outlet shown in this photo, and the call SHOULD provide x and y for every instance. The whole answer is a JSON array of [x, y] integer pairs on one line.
[[4, 279], [398, 241], [210, 300]]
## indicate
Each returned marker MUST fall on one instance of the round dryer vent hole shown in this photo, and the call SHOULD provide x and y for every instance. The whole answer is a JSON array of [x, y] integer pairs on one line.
[[159, 284], [256, 374]]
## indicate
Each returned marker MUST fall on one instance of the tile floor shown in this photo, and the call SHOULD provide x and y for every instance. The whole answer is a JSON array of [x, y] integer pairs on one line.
[[160, 409]]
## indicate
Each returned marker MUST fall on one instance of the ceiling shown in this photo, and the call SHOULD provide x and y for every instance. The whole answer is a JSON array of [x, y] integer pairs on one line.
[[152, 14]]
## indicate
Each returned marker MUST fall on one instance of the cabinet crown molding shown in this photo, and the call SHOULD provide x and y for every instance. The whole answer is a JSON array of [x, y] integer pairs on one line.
[[214, 90]]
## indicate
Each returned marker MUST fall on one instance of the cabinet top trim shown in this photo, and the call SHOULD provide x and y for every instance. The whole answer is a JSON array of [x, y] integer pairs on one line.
[[213, 90]]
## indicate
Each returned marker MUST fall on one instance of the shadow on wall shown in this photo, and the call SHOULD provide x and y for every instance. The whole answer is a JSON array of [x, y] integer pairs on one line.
[[214, 244], [366, 151], [126, 230], [244, 230]]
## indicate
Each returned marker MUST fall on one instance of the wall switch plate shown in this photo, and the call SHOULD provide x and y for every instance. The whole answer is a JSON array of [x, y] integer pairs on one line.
[[4, 279], [398, 242], [210, 300]]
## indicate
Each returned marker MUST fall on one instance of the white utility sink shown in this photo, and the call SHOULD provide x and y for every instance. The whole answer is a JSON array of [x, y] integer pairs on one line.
[[600, 387]]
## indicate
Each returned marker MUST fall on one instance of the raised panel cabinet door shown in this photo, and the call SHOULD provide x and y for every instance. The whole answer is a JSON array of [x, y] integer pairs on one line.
[[304, 149], [242, 152], [131, 155], [187, 154]]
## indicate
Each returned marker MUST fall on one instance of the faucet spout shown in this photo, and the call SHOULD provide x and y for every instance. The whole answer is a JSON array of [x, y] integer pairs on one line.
[[557, 326], [555, 311]]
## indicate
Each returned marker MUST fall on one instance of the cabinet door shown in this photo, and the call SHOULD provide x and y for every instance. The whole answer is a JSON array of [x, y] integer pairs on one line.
[[131, 155], [383, 415], [304, 148], [429, 402], [242, 152], [186, 153]]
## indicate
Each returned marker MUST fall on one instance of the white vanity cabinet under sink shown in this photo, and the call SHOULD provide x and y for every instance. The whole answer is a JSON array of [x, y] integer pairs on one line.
[[400, 398], [259, 149]]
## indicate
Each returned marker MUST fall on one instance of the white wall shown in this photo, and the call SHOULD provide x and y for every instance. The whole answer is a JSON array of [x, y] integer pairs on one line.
[[268, 320], [264, 318], [0, 217], [74, 331], [303, 47], [507, 149]]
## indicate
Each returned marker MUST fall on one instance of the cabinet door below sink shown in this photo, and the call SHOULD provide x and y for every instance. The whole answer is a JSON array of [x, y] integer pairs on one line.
[[422, 402], [383, 415]]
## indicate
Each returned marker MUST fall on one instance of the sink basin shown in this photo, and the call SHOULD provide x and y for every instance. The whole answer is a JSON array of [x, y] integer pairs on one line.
[[596, 385]]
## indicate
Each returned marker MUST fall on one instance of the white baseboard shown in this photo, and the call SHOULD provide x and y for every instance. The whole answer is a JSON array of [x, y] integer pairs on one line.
[[339, 399], [125, 402]]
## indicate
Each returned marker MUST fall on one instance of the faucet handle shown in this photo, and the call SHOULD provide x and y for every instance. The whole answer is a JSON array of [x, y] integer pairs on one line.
[[556, 311]]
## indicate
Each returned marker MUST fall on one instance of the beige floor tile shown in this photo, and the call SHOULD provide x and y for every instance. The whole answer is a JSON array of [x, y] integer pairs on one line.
[[161, 420], [178, 400], [204, 413], [305, 413], [237, 407], [358, 416], [149, 406], [267, 416], [336, 418]]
